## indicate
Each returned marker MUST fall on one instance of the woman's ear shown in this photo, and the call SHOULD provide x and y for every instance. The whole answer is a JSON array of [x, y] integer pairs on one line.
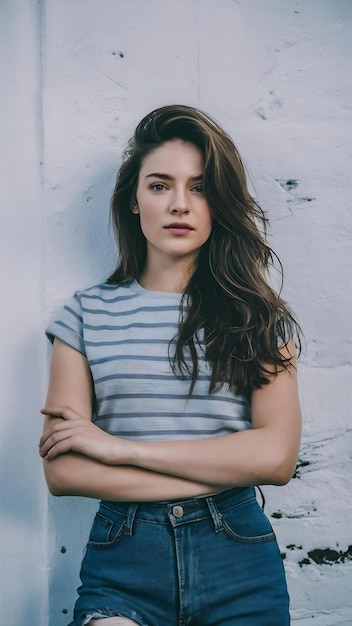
[[135, 208]]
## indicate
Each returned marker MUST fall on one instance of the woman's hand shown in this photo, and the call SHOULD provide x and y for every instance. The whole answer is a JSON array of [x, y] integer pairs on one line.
[[74, 433]]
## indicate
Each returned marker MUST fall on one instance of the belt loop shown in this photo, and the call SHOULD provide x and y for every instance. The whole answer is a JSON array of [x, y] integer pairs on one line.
[[131, 514], [215, 514]]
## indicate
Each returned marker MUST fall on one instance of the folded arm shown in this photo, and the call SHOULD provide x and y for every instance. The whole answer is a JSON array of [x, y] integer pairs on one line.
[[74, 474], [84, 467], [266, 454]]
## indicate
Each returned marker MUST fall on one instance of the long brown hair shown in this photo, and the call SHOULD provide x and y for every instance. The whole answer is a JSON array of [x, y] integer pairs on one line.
[[228, 297]]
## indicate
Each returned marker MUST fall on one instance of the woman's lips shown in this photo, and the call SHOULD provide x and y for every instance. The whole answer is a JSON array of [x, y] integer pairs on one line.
[[179, 228]]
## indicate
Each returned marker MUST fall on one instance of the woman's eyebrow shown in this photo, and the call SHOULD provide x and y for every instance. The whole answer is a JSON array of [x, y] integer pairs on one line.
[[168, 177]]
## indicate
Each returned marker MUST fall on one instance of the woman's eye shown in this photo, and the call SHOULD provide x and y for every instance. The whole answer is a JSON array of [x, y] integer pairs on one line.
[[158, 187], [199, 188]]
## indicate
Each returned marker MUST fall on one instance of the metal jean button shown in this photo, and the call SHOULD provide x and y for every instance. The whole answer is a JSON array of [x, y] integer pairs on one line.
[[177, 511]]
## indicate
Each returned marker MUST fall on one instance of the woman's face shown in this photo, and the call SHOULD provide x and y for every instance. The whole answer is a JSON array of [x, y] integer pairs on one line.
[[174, 214]]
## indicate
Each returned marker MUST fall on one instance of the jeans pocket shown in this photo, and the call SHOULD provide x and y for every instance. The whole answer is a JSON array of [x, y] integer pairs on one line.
[[106, 531], [246, 523]]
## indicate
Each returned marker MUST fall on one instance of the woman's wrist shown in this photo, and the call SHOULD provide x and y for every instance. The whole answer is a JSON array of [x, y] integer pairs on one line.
[[124, 452]]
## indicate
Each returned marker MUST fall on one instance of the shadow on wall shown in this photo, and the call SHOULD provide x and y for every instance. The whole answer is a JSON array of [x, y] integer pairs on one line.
[[22, 503], [81, 249], [70, 519], [84, 254]]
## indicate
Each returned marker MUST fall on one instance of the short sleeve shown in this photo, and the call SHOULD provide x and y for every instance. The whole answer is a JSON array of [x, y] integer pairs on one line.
[[69, 325]]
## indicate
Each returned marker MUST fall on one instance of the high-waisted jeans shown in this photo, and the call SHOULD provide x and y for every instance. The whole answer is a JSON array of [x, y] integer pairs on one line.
[[205, 562]]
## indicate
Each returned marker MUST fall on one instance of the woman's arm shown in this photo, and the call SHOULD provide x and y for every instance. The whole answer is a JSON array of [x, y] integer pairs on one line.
[[266, 454], [70, 385], [73, 474]]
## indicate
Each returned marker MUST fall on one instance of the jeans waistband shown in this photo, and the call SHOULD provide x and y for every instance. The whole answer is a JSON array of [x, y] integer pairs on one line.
[[180, 511]]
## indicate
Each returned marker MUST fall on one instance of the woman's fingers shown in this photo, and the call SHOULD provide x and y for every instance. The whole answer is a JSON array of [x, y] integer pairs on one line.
[[66, 417], [57, 438], [55, 446], [61, 411], [54, 438], [76, 433], [58, 426], [82, 436]]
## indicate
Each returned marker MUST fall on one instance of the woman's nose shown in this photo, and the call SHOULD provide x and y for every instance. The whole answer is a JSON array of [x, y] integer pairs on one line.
[[179, 210], [179, 203]]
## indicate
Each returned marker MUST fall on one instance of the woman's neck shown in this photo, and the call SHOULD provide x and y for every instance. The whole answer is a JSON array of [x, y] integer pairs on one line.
[[173, 278]]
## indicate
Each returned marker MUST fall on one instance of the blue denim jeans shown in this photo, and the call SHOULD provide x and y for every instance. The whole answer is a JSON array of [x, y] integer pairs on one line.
[[204, 562]]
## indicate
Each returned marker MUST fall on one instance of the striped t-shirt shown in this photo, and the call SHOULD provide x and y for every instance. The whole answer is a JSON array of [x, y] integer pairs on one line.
[[125, 332]]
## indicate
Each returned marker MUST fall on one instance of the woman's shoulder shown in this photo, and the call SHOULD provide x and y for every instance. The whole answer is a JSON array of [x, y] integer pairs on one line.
[[90, 308]]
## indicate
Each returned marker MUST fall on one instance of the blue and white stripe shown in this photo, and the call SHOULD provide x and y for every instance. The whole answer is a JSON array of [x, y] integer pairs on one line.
[[126, 333]]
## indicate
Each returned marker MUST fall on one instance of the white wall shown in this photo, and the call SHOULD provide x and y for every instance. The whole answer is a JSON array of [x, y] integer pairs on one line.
[[23, 534], [78, 75]]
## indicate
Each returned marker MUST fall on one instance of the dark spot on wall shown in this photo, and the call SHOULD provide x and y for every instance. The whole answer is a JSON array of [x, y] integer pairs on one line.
[[327, 556], [323, 556], [63, 549], [276, 99], [308, 509], [118, 53], [64, 611], [292, 546], [283, 555], [300, 464], [304, 199], [287, 184], [260, 113], [330, 556]]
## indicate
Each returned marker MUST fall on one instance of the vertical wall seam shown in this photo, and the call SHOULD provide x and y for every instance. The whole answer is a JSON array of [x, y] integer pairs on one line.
[[197, 10], [41, 20]]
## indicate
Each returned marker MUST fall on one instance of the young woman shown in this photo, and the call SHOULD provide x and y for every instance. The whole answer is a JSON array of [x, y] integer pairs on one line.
[[173, 392]]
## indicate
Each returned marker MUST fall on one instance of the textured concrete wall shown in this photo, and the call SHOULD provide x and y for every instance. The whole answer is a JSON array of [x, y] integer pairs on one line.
[[23, 500], [79, 75]]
